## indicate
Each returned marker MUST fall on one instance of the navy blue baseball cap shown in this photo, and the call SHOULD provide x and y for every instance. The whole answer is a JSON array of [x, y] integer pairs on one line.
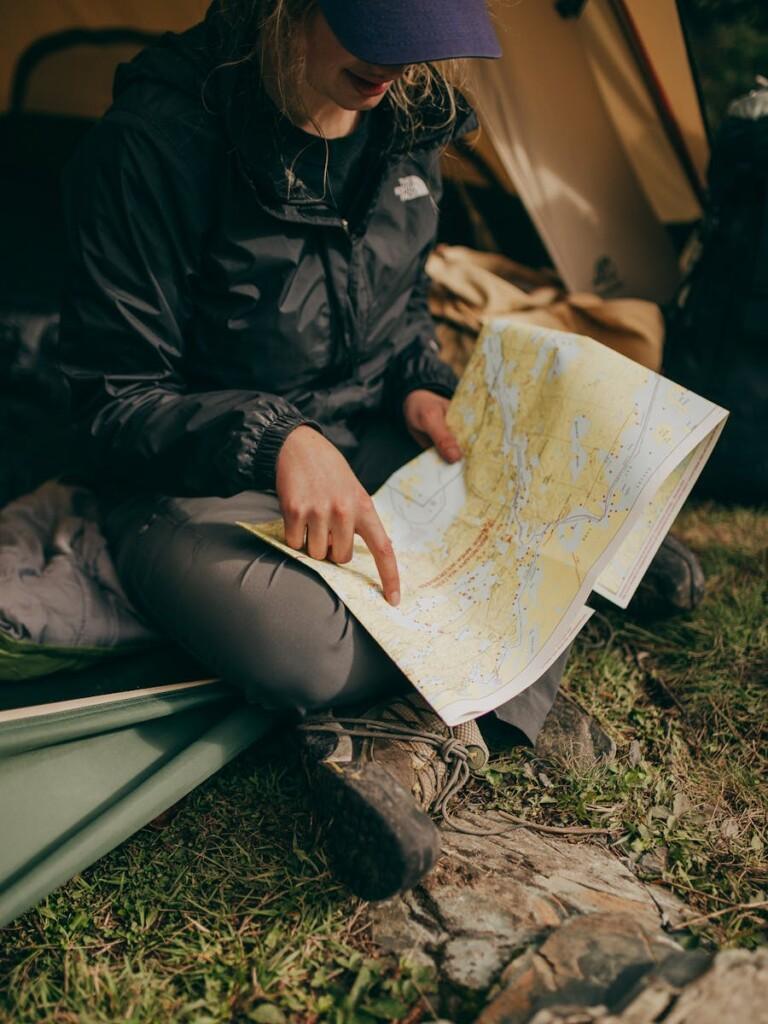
[[412, 31]]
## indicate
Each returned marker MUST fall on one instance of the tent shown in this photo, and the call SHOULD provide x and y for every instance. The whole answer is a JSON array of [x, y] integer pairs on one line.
[[592, 154], [88, 758], [592, 117]]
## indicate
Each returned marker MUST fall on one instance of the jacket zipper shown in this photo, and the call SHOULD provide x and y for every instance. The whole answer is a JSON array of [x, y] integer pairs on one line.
[[341, 314]]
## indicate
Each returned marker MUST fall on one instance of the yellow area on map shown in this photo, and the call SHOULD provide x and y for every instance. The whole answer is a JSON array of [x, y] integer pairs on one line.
[[567, 444]]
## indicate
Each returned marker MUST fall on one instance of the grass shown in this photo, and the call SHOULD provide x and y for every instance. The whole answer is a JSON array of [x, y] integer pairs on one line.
[[687, 702], [229, 913]]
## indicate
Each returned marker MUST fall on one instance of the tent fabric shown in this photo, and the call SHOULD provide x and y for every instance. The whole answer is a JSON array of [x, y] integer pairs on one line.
[[38, 726], [661, 31], [22, 24], [633, 112], [89, 67], [548, 122], [74, 783]]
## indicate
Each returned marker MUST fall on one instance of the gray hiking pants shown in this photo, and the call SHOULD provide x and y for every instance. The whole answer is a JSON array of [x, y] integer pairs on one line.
[[261, 620]]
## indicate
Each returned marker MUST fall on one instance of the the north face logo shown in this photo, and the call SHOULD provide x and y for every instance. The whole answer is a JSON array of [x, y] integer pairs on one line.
[[411, 187]]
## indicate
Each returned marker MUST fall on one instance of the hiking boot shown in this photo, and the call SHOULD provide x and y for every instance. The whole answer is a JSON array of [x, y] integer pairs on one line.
[[380, 776], [673, 582], [571, 736]]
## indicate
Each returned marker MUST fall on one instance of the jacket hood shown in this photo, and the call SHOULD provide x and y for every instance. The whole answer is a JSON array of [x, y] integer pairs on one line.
[[179, 61]]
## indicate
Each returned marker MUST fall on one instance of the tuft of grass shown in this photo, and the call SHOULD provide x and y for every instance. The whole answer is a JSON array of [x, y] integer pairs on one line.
[[229, 912]]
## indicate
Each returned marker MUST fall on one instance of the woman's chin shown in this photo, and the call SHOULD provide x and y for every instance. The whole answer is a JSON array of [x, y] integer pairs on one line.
[[349, 101]]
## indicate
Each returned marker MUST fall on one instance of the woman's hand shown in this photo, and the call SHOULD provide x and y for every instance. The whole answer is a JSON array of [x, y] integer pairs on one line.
[[425, 418], [323, 501]]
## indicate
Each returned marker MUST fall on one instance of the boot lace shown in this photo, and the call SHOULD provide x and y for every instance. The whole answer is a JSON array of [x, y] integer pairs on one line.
[[450, 749], [456, 756]]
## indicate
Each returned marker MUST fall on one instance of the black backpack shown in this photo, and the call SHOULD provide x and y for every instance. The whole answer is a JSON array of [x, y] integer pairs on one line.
[[718, 329]]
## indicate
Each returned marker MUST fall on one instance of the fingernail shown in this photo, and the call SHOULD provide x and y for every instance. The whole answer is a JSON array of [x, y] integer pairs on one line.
[[394, 597], [454, 454]]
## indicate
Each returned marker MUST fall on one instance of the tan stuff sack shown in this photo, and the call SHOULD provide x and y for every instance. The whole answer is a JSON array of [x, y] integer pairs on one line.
[[468, 286]]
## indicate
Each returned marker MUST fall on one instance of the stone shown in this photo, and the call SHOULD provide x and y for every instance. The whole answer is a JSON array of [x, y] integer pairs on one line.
[[686, 987], [490, 898], [570, 1015], [673, 583], [735, 988], [529, 928], [653, 863], [590, 961], [471, 962], [571, 736], [402, 928]]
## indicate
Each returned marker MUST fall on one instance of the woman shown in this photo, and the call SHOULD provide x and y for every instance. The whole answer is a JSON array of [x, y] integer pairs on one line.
[[246, 334]]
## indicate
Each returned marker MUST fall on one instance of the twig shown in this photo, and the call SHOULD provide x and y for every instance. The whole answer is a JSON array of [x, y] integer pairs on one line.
[[695, 892], [557, 830], [761, 905]]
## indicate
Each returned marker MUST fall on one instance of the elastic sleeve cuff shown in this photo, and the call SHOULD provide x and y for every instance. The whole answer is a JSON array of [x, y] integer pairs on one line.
[[264, 462], [439, 378], [423, 369]]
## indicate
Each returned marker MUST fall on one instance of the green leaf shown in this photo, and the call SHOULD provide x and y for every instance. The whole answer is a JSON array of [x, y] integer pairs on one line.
[[359, 986], [386, 1009], [267, 1013]]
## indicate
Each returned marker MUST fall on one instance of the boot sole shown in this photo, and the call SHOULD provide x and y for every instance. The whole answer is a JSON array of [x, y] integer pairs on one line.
[[379, 843]]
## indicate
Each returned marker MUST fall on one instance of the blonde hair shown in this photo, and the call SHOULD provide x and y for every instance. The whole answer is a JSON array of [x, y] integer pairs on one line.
[[272, 26]]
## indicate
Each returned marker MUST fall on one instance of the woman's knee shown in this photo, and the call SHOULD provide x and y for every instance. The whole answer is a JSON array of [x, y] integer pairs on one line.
[[285, 672], [309, 669], [302, 688]]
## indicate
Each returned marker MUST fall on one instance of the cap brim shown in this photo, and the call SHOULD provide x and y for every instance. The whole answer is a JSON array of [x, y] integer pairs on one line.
[[412, 31]]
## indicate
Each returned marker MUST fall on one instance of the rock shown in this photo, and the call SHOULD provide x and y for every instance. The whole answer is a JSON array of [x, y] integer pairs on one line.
[[489, 897], [673, 583], [402, 927], [686, 987], [573, 737], [472, 963], [735, 988], [654, 993], [526, 928], [653, 863], [589, 961], [570, 1015]]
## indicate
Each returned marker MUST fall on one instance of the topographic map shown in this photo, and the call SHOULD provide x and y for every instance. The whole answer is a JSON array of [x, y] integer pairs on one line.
[[576, 461]]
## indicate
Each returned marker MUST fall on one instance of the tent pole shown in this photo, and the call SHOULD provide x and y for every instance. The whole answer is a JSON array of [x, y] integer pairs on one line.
[[658, 95]]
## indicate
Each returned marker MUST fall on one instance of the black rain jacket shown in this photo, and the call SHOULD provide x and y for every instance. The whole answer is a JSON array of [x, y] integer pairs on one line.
[[205, 315]]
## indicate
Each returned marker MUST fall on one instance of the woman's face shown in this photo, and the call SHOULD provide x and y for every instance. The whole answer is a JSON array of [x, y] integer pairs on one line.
[[336, 75]]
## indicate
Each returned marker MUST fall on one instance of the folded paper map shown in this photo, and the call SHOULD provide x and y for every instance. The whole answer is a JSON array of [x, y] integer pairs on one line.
[[576, 461]]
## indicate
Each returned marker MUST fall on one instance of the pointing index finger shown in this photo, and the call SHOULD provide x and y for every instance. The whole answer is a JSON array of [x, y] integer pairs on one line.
[[373, 533]]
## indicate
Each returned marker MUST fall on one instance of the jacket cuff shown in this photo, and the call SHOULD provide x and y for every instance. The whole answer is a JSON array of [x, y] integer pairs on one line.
[[425, 370], [264, 460]]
